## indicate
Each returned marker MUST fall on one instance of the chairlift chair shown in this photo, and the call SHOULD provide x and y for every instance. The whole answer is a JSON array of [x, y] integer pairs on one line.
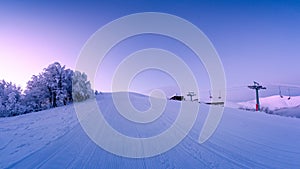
[[210, 96]]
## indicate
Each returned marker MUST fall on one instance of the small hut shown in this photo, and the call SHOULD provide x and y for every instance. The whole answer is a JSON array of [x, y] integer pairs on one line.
[[179, 98]]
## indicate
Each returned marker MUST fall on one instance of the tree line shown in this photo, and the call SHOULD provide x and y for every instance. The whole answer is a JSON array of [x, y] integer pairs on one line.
[[55, 86]]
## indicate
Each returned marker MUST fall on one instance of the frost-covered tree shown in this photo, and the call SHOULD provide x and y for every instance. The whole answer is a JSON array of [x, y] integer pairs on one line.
[[55, 86], [10, 100], [53, 76], [68, 76], [81, 87], [52, 88], [37, 94]]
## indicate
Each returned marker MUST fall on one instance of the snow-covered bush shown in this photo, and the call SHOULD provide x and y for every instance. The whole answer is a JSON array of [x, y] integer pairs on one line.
[[262, 109], [81, 87], [266, 110]]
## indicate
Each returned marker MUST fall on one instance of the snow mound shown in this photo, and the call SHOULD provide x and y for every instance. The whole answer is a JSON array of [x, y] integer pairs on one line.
[[288, 112]]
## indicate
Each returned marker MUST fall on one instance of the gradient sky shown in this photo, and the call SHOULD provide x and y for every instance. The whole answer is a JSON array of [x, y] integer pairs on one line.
[[256, 40]]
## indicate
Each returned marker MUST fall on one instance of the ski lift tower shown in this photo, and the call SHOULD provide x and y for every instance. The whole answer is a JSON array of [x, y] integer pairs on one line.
[[257, 87], [191, 94]]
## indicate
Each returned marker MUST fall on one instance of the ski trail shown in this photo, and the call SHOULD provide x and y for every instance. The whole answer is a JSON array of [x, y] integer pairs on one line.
[[38, 158], [240, 141]]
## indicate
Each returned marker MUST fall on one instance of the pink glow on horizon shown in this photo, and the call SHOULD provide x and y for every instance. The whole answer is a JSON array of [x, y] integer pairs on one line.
[[28, 48], [25, 52]]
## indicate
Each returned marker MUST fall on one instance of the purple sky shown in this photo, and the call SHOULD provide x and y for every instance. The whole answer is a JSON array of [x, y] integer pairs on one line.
[[256, 40]]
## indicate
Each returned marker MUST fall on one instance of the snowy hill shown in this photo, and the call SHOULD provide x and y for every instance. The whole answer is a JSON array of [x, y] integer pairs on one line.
[[54, 139], [273, 102]]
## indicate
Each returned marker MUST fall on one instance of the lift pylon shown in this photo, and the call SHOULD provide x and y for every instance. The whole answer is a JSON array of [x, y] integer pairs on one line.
[[257, 87]]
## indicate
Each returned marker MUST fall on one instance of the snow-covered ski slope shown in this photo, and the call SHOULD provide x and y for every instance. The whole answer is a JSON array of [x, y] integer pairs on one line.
[[274, 102], [55, 139]]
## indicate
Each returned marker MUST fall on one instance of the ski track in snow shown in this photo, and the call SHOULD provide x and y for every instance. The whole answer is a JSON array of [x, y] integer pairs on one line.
[[54, 139]]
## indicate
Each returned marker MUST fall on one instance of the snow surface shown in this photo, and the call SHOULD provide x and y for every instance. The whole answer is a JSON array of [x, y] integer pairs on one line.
[[54, 139]]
